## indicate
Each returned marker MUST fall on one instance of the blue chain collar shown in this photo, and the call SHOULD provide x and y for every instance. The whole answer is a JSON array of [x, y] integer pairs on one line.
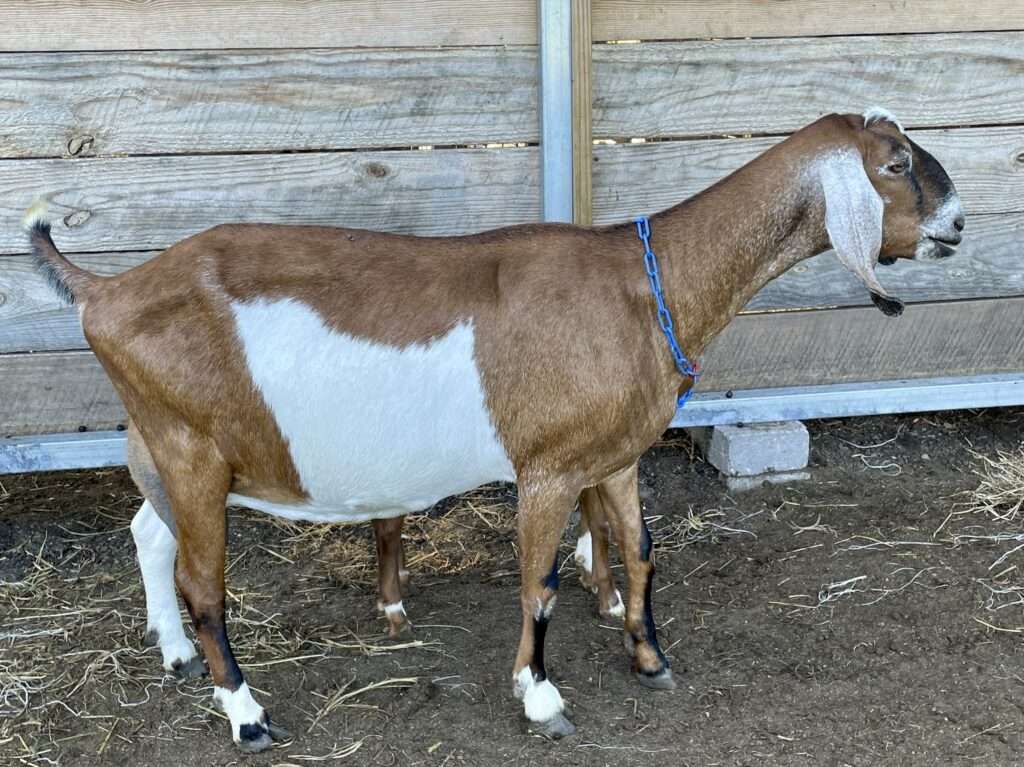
[[683, 365]]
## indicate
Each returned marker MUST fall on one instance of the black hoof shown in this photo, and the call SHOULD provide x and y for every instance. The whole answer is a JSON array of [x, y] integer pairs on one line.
[[255, 742], [253, 738], [661, 680], [190, 669], [151, 638], [556, 728]]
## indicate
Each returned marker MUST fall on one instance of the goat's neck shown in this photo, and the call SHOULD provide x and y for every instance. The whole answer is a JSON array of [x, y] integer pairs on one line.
[[719, 248]]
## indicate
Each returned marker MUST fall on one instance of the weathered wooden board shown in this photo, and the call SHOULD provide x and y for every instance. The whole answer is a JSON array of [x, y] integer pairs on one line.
[[990, 263], [128, 25], [959, 338], [61, 391], [776, 86], [50, 393], [141, 203], [684, 19], [194, 102], [986, 164]]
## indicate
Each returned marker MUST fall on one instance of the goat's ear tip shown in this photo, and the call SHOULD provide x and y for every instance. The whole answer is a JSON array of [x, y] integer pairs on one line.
[[890, 307]]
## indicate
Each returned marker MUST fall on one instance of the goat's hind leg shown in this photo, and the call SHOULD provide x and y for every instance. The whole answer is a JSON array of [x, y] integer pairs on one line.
[[197, 480], [391, 574], [156, 546]]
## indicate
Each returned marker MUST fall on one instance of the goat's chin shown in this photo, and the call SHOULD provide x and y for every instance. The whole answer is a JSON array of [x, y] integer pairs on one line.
[[933, 250]]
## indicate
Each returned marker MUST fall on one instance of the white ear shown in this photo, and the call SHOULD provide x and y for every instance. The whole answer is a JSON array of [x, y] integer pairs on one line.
[[853, 218]]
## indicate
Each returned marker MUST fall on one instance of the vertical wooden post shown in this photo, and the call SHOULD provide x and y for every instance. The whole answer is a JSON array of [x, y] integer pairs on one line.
[[582, 139], [556, 144]]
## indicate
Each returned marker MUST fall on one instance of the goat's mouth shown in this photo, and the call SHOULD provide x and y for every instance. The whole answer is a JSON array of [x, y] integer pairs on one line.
[[935, 249]]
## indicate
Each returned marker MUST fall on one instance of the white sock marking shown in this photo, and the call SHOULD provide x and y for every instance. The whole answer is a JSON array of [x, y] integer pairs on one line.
[[585, 552], [239, 707], [156, 548], [392, 609], [617, 609], [541, 700]]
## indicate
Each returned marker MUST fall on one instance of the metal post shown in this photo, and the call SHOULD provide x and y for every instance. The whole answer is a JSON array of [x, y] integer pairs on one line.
[[554, 18]]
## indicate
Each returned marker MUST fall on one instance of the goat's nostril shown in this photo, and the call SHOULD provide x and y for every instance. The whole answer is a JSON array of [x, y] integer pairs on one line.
[[958, 223]]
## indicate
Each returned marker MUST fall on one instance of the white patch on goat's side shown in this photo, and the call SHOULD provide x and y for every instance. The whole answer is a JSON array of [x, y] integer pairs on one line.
[[374, 430], [879, 114], [617, 609], [156, 549], [584, 552], [541, 700], [239, 707]]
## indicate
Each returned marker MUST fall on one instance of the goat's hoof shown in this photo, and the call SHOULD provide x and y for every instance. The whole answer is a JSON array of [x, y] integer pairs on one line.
[[614, 610], [193, 668], [256, 737], [660, 680], [151, 638], [398, 630], [555, 728]]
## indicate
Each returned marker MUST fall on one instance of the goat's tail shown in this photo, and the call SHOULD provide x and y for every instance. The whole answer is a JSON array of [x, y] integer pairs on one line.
[[69, 281]]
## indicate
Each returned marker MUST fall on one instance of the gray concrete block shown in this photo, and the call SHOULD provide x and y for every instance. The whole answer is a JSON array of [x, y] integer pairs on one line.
[[754, 449]]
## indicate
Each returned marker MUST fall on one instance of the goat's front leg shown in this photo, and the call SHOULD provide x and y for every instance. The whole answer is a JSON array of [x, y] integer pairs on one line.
[[592, 555], [197, 481], [392, 576], [542, 518], [621, 502]]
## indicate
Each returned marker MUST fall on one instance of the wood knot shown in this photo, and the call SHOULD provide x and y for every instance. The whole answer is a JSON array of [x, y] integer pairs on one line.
[[1019, 159], [77, 218], [3, 299], [376, 169], [79, 145]]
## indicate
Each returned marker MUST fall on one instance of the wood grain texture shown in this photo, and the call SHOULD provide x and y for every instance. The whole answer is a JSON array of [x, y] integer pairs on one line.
[[51, 393], [862, 344], [684, 19], [61, 391], [124, 25], [990, 264], [986, 164], [777, 86], [195, 102], [582, 115], [142, 203]]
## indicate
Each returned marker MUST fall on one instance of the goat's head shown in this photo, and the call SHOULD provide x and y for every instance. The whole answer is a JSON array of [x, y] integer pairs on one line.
[[885, 198]]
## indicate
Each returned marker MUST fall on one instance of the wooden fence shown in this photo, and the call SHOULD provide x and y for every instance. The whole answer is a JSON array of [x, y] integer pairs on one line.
[[147, 122]]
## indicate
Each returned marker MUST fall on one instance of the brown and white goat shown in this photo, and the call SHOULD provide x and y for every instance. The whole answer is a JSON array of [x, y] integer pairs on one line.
[[342, 375]]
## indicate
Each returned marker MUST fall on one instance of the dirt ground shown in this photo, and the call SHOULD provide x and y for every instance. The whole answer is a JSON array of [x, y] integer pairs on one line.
[[863, 617]]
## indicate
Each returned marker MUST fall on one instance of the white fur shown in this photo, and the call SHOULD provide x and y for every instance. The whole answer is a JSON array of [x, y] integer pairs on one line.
[[156, 548], [374, 430], [617, 609], [878, 114], [394, 609], [239, 707], [39, 212], [853, 214], [541, 700], [584, 552]]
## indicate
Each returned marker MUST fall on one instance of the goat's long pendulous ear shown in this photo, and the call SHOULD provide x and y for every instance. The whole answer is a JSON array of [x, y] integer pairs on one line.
[[853, 218]]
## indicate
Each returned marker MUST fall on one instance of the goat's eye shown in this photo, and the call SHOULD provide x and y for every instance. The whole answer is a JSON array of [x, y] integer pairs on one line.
[[900, 166]]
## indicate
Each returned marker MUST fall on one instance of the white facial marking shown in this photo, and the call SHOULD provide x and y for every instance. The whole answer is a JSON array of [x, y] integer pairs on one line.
[[374, 430], [878, 114], [239, 707], [156, 548], [617, 609], [541, 700], [584, 552], [394, 609]]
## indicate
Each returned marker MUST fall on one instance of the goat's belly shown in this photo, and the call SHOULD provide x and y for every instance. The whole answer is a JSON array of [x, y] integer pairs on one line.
[[373, 430]]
